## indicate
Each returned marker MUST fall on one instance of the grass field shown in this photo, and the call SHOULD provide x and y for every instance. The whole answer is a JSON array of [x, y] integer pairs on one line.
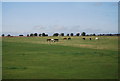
[[35, 58]]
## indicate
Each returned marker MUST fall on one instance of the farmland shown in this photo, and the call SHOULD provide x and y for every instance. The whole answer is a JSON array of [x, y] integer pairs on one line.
[[35, 58]]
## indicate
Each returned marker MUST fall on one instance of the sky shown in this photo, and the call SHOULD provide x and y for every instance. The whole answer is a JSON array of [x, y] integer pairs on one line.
[[60, 0], [59, 17]]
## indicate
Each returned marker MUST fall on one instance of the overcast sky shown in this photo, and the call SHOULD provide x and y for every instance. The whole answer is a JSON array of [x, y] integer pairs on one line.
[[67, 17]]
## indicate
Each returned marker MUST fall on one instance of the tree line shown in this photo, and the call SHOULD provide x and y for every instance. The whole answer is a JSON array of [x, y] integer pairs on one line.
[[44, 34], [62, 34]]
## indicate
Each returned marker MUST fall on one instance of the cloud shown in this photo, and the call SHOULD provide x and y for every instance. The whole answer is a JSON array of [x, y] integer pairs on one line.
[[76, 28], [50, 29], [58, 28], [92, 30], [67, 29], [40, 28], [63, 29]]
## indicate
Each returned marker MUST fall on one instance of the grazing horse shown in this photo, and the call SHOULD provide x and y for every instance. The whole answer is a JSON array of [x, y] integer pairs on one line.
[[48, 40], [69, 38], [52, 40], [64, 38], [56, 40], [96, 38], [90, 38], [83, 38]]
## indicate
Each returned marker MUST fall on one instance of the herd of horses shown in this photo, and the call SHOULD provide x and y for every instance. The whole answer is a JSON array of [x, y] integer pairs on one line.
[[56, 40]]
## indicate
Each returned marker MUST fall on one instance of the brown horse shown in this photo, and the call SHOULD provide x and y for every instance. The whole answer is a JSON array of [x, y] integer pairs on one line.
[[69, 38], [48, 40], [83, 38], [64, 38]]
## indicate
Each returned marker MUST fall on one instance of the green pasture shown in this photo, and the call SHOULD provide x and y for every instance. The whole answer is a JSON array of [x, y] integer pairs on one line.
[[35, 58]]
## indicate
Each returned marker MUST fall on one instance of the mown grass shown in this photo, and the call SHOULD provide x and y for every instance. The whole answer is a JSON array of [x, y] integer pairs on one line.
[[34, 58]]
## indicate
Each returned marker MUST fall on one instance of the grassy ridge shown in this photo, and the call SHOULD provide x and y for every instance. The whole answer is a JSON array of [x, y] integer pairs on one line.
[[34, 58]]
